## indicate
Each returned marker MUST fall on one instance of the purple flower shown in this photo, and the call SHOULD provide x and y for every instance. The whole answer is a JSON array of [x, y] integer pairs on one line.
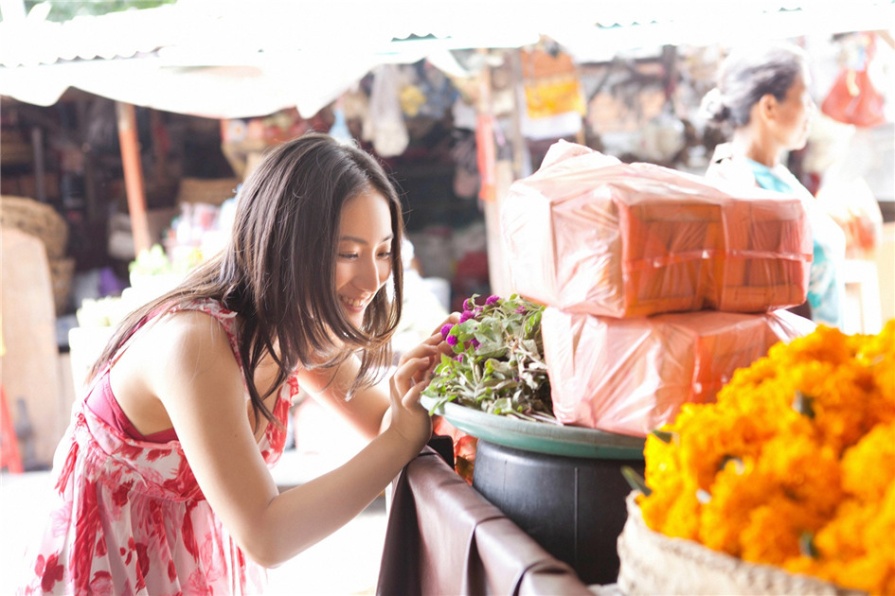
[[521, 309], [466, 315], [452, 340], [445, 330], [492, 299], [475, 343], [459, 357], [469, 304]]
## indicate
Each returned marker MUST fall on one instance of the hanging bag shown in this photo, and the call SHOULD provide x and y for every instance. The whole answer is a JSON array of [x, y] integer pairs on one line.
[[853, 99]]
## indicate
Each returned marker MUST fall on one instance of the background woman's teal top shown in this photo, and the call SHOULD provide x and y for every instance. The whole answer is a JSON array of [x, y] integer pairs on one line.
[[823, 287]]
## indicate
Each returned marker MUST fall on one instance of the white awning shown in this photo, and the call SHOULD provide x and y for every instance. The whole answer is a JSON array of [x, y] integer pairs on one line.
[[229, 59]]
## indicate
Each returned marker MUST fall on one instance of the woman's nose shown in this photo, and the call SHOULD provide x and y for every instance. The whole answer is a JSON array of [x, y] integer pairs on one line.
[[368, 276]]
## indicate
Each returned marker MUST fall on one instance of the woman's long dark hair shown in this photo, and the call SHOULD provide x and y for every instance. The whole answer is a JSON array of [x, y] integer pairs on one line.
[[277, 271]]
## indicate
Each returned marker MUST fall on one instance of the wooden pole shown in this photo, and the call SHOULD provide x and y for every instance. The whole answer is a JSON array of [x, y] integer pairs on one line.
[[517, 140], [40, 168], [499, 176], [133, 175], [90, 201]]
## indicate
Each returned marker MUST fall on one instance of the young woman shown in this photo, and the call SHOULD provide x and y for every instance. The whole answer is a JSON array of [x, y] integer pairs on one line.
[[763, 96], [162, 478]]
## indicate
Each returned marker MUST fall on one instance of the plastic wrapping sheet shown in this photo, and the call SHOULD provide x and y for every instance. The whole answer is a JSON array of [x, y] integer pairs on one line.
[[587, 233], [630, 376]]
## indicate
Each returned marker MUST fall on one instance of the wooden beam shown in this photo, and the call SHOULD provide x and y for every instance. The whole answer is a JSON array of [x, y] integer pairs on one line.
[[40, 164], [499, 175], [133, 175], [517, 139], [91, 207]]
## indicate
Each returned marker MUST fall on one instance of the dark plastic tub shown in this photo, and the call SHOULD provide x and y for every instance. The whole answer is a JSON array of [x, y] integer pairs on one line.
[[573, 507]]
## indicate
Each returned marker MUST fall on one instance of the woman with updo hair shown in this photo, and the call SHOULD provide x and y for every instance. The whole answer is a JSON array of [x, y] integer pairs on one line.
[[763, 104]]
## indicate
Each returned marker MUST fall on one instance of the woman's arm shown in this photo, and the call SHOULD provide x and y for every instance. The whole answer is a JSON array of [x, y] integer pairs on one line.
[[194, 374], [367, 410], [364, 411]]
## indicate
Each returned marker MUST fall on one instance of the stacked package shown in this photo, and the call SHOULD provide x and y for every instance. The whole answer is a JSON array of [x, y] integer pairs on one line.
[[632, 375], [612, 249]]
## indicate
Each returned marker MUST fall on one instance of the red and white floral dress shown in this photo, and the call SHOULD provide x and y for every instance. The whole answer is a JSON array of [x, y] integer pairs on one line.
[[129, 517]]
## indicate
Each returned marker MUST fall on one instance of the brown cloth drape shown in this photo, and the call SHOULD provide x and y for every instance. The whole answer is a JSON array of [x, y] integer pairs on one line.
[[443, 537]]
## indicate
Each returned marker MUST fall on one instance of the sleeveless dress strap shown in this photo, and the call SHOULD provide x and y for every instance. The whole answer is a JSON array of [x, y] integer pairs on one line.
[[101, 400]]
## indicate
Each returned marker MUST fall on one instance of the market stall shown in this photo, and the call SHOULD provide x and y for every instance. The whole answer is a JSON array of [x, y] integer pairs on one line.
[[613, 424], [653, 300], [200, 68]]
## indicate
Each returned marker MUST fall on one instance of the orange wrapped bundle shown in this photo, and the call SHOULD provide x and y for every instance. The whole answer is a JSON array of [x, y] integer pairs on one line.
[[587, 233], [630, 376]]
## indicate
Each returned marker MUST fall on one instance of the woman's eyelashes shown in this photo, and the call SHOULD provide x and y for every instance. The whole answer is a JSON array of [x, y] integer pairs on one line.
[[353, 255]]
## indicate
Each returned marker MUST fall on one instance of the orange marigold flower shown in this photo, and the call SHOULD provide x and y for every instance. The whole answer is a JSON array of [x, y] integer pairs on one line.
[[794, 465], [868, 468]]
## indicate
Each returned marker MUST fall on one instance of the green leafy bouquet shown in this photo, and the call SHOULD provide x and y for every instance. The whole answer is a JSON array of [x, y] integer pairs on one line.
[[497, 366]]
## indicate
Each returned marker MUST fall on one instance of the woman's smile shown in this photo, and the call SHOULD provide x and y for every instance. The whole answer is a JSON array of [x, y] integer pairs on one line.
[[354, 304], [364, 260]]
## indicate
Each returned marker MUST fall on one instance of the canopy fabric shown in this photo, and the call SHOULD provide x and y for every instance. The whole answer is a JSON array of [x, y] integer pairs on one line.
[[232, 59], [236, 91]]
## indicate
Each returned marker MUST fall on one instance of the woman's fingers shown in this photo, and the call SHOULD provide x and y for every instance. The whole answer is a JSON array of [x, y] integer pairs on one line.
[[413, 372], [421, 351], [452, 319], [416, 365], [412, 396], [408, 417], [425, 349]]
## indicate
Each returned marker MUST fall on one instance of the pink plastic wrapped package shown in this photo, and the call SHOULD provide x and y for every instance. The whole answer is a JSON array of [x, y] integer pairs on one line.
[[630, 376], [587, 233]]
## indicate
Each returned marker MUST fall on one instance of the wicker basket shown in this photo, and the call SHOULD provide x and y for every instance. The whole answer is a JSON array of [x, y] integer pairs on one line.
[[14, 151], [651, 563], [37, 219]]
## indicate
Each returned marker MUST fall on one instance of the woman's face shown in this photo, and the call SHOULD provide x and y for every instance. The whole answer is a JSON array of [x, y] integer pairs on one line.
[[364, 253], [794, 116]]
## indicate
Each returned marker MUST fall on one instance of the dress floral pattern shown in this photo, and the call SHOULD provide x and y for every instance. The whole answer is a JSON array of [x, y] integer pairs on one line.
[[129, 517]]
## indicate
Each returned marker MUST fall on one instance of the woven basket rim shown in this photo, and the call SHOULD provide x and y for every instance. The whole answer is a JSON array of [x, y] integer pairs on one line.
[[35, 218], [684, 551]]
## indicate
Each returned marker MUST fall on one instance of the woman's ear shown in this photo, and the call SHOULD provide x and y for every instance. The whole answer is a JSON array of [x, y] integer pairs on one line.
[[767, 107]]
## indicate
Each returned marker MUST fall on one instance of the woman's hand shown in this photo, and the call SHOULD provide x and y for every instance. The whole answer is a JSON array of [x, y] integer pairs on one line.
[[408, 417]]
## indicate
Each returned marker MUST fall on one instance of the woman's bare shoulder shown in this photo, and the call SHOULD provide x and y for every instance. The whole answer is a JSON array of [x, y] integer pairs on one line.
[[185, 343]]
